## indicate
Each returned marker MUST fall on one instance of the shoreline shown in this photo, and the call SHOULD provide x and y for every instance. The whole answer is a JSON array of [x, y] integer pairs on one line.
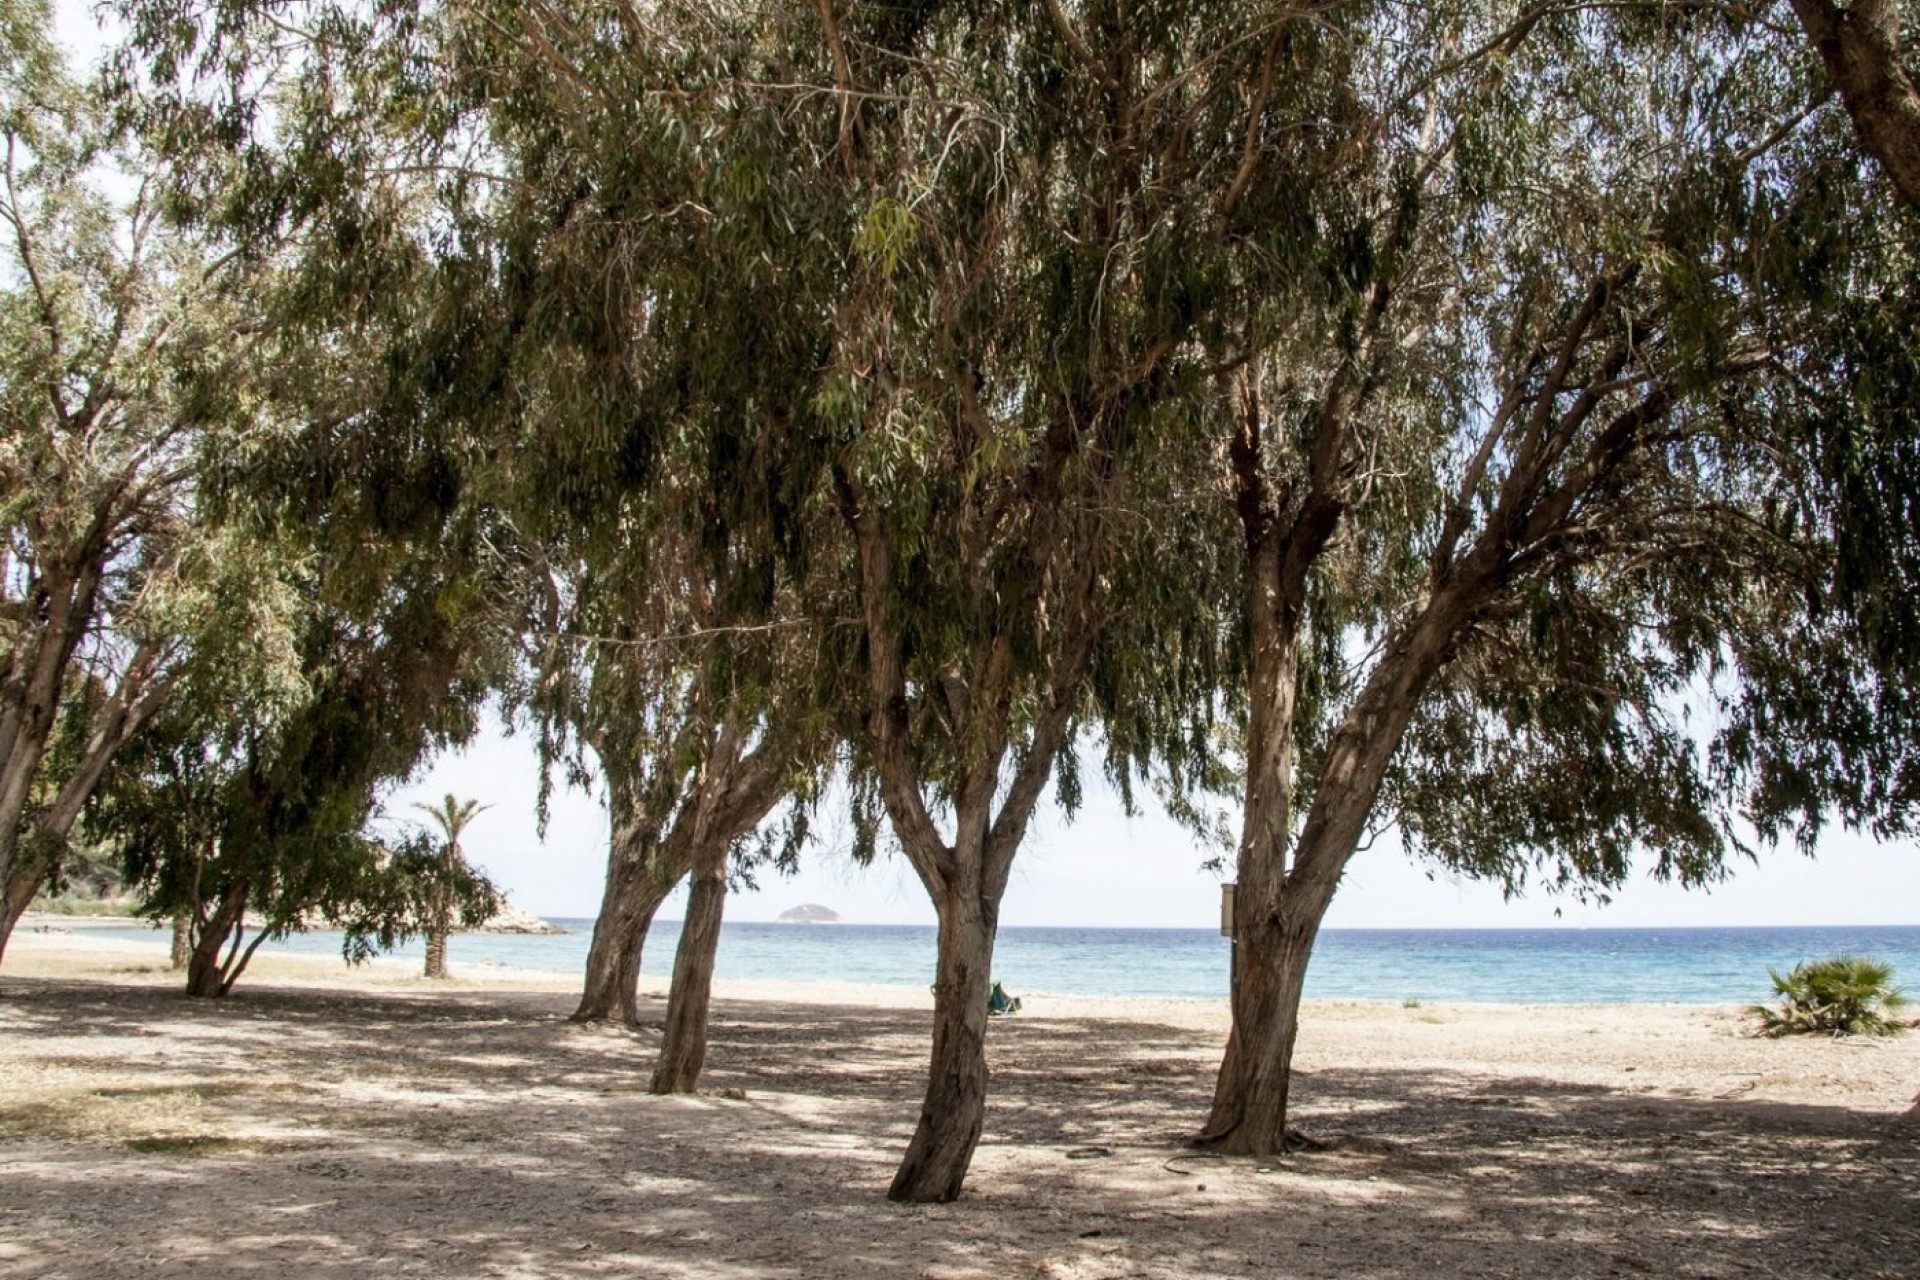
[[564, 923], [75, 955], [43, 930]]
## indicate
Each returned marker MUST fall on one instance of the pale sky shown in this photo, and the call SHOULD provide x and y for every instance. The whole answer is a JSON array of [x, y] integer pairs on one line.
[[1107, 870]]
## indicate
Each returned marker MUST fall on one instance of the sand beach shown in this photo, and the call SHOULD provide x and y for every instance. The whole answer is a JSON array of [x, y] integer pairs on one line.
[[329, 1122]]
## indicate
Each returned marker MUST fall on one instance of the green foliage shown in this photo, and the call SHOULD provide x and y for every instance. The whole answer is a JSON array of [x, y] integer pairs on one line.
[[1492, 425], [452, 816], [1839, 996], [408, 887], [655, 305], [119, 380]]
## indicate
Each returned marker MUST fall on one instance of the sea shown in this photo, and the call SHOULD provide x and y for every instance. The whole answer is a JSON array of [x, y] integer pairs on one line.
[[1503, 966]]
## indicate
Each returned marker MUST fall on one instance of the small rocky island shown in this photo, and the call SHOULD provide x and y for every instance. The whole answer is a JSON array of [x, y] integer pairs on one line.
[[810, 913], [512, 919]]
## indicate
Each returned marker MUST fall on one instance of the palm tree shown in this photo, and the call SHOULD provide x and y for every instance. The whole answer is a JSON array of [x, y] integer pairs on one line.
[[451, 816], [1841, 996]]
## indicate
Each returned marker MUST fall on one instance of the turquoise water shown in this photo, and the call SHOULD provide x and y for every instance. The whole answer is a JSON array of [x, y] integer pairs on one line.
[[1498, 965]]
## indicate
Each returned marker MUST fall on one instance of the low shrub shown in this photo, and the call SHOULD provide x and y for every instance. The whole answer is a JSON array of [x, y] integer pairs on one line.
[[1840, 996]]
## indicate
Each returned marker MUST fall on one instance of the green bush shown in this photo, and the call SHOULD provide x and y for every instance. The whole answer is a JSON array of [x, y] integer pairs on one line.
[[1841, 996]]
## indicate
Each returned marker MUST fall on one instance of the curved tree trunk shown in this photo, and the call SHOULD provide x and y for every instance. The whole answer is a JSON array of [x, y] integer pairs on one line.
[[1250, 1097], [684, 1051], [1276, 924], [955, 1108], [19, 893], [31, 690], [635, 889], [29, 705], [207, 972], [1273, 935]]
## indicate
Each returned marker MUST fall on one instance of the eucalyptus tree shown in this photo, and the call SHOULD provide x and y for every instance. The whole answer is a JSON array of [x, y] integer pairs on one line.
[[672, 582], [1483, 342], [239, 675], [1521, 447], [115, 361], [696, 729], [253, 799], [803, 232], [397, 137], [665, 325], [378, 353], [1017, 360]]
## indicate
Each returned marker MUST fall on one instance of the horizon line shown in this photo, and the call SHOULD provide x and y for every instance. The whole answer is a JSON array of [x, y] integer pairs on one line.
[[1570, 926]]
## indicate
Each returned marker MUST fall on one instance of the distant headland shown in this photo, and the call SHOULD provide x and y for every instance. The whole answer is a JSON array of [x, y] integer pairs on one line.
[[810, 913]]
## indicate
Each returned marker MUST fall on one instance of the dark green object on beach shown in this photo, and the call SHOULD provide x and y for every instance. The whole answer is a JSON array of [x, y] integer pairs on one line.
[[1840, 996]]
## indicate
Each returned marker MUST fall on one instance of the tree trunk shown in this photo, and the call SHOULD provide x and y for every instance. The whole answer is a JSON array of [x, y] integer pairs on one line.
[[30, 695], [684, 1051], [1250, 1098], [955, 1108], [182, 941], [1273, 937], [207, 974], [22, 869], [1859, 46], [1278, 909], [19, 894], [16, 786], [635, 890], [437, 949]]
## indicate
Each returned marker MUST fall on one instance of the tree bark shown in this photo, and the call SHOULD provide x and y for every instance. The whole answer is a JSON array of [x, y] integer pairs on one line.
[[966, 879], [639, 878], [437, 949], [134, 702], [1285, 904], [1859, 46], [207, 972], [1275, 934], [1274, 925], [19, 893], [141, 691], [1275, 917], [182, 941], [684, 1050], [731, 796], [16, 788], [954, 1111], [30, 693], [1251, 1095]]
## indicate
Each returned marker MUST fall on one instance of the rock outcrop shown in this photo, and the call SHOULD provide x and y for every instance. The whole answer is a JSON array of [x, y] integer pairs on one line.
[[512, 919]]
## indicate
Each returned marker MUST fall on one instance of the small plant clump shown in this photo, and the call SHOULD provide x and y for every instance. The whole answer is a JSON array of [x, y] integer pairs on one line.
[[1840, 996]]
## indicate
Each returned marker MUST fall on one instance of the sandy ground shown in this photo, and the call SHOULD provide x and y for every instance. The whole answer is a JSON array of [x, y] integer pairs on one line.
[[332, 1124]]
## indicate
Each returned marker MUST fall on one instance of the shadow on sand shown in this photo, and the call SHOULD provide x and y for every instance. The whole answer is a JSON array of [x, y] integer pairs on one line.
[[332, 1135]]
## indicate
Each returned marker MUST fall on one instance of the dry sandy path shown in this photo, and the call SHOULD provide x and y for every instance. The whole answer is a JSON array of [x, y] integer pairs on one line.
[[320, 1125]]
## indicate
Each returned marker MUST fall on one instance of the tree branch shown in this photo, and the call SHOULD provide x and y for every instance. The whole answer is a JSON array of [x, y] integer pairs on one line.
[[1064, 27], [843, 83], [1860, 48], [900, 783]]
